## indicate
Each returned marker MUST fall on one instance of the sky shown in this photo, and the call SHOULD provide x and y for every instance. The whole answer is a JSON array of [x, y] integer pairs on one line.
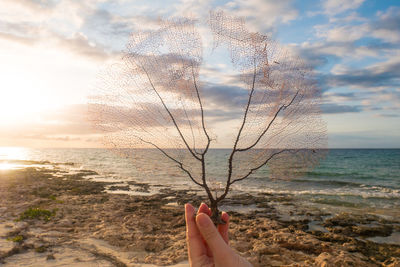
[[51, 54]]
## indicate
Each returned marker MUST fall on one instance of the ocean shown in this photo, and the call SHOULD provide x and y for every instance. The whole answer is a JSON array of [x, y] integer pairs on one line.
[[366, 180]]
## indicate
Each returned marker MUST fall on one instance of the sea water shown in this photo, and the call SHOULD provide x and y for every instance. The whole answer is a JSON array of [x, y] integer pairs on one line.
[[347, 179]]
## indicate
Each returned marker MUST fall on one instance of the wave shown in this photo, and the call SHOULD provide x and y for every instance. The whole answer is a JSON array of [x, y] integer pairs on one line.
[[337, 202], [329, 182], [348, 175], [362, 193]]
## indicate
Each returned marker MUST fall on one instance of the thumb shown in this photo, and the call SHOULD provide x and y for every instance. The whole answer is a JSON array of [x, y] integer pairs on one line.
[[211, 234]]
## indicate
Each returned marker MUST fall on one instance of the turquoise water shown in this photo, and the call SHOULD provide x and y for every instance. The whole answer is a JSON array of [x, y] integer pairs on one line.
[[362, 179]]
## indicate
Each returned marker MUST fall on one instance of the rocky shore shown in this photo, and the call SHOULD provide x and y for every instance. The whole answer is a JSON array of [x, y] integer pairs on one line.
[[51, 217]]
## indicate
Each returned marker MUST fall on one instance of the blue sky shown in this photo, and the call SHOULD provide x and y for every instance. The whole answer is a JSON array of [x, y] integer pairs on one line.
[[51, 53]]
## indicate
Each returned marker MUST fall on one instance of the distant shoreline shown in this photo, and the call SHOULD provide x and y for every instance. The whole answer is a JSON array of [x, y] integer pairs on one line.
[[219, 148]]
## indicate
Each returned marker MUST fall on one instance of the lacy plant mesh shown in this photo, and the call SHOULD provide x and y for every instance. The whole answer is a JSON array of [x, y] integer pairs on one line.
[[282, 127], [152, 100]]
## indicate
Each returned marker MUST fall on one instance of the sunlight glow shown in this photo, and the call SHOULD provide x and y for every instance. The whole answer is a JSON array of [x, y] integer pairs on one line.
[[21, 97], [12, 153], [7, 166], [37, 79]]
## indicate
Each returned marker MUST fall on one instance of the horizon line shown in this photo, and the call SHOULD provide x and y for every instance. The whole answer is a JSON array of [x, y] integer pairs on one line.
[[227, 148]]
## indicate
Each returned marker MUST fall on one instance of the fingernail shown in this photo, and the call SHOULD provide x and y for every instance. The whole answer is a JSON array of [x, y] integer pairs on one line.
[[188, 207], [225, 215]]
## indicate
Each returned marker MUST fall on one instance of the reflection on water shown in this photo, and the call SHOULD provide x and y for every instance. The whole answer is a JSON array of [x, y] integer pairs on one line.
[[7, 166], [394, 238], [15, 153]]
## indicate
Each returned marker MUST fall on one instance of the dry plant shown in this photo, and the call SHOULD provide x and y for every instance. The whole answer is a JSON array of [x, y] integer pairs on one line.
[[153, 100]]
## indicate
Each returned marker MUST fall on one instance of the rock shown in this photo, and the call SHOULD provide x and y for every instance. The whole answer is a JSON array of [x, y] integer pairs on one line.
[[135, 229], [359, 225], [379, 230], [119, 187], [343, 259], [392, 262], [241, 246]]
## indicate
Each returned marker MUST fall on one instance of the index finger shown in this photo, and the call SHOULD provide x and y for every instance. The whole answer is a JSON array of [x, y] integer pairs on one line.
[[194, 239]]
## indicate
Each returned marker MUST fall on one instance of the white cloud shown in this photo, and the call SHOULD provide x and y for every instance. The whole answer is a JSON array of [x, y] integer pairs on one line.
[[262, 15], [347, 33], [333, 7], [314, 51], [196, 8], [352, 17]]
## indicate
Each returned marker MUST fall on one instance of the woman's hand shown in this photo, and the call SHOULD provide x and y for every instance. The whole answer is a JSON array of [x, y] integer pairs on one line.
[[207, 245]]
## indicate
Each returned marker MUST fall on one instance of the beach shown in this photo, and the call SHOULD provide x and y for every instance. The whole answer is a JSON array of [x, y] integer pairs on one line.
[[53, 217]]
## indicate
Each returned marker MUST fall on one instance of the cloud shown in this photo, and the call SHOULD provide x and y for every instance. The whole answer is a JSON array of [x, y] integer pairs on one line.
[[50, 138], [342, 44], [225, 95], [53, 24], [37, 6], [389, 115], [102, 23], [68, 120], [333, 7], [16, 39], [346, 33], [263, 15], [338, 108], [378, 37], [375, 76], [197, 8], [387, 27], [80, 45], [350, 18], [32, 36]]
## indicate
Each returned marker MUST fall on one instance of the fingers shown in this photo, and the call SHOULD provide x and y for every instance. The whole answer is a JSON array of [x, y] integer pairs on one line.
[[204, 209], [194, 239], [210, 234], [223, 228]]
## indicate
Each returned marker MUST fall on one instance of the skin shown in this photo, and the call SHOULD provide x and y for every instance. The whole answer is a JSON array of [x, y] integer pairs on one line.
[[209, 245]]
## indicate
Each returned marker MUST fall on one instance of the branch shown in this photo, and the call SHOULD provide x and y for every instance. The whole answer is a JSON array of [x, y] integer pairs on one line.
[[170, 114], [203, 167], [270, 123], [202, 113], [205, 186], [256, 168], [238, 136], [246, 111], [180, 164]]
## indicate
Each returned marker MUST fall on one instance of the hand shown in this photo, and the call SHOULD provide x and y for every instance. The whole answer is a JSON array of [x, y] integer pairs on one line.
[[207, 245]]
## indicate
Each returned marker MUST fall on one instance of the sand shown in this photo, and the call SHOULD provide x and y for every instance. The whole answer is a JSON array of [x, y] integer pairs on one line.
[[82, 225]]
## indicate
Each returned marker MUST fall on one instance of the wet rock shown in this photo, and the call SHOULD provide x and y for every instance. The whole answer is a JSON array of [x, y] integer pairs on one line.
[[366, 225], [378, 230], [119, 187], [50, 257]]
